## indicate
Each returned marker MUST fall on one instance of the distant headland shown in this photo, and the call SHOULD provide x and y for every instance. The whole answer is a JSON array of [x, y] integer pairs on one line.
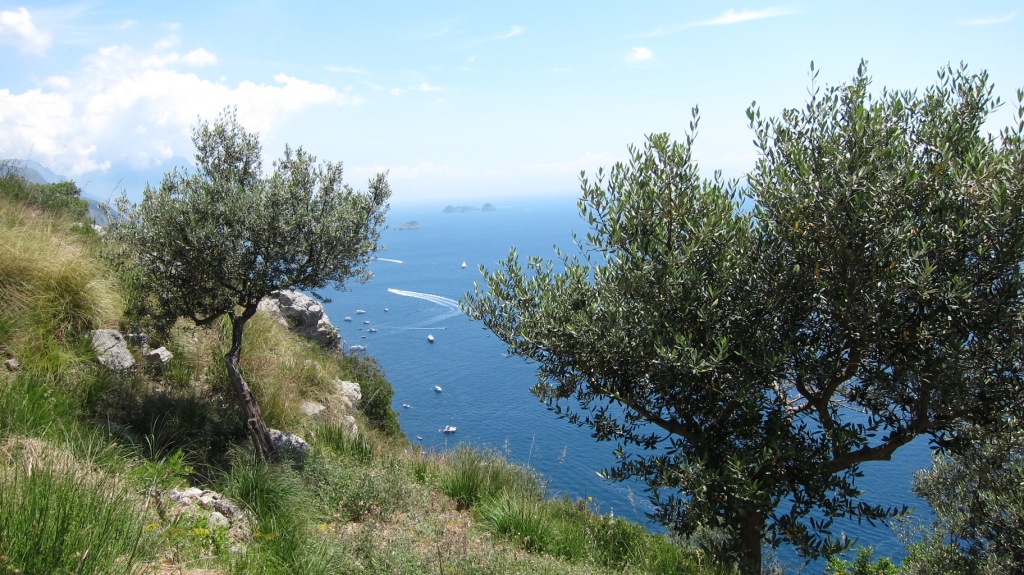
[[450, 209]]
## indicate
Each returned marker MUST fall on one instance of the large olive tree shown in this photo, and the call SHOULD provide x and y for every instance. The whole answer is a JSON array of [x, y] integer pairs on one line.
[[215, 241], [748, 348]]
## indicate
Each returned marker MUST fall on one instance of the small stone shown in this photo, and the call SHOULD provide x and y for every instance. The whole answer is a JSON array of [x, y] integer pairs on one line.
[[312, 408], [217, 520], [12, 364]]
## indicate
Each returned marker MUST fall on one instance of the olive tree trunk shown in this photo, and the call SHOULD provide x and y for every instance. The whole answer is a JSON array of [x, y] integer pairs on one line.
[[254, 423]]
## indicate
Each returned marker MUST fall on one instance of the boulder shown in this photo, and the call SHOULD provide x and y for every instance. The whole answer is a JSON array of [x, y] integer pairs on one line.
[[158, 358], [303, 315], [289, 443], [111, 349]]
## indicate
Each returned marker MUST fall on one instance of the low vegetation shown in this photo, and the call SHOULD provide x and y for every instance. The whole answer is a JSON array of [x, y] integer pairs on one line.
[[90, 459]]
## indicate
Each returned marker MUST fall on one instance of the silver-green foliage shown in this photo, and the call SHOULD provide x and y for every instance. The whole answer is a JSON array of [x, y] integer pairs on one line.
[[748, 348], [976, 495], [226, 235]]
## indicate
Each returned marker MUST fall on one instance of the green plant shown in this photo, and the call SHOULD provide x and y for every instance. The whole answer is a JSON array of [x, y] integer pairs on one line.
[[862, 565], [470, 475], [747, 348], [523, 519]]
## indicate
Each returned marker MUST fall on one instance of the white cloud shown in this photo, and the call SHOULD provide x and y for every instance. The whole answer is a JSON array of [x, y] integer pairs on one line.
[[17, 29], [396, 91], [639, 54], [734, 17], [199, 57], [138, 106], [425, 87], [991, 21], [730, 17]]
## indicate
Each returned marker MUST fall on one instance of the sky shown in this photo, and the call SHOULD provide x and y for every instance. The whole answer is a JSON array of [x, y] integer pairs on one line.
[[457, 101]]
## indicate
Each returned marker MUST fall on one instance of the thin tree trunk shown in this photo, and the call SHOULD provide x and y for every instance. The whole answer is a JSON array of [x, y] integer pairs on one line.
[[255, 425], [751, 528]]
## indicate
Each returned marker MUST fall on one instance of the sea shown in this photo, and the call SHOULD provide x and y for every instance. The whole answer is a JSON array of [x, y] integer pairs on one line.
[[464, 377]]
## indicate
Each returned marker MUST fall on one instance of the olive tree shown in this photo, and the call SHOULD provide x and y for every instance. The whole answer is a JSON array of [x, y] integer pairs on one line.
[[748, 348], [213, 242]]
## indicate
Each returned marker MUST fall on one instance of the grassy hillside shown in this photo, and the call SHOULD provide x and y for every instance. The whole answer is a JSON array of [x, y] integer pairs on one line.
[[93, 463]]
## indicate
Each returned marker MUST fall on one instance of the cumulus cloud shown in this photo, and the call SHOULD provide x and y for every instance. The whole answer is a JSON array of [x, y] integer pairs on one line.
[[639, 54], [138, 107], [17, 29]]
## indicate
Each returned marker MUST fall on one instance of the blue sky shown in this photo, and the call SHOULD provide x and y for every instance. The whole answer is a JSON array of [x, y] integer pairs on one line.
[[458, 100]]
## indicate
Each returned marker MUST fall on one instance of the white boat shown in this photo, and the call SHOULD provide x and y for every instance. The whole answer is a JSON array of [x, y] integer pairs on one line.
[[360, 311], [430, 338], [347, 319], [448, 429], [386, 309], [463, 265], [366, 321], [438, 389], [372, 330], [357, 348], [406, 405]]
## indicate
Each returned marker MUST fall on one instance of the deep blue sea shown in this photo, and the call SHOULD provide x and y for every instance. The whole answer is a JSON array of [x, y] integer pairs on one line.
[[418, 281]]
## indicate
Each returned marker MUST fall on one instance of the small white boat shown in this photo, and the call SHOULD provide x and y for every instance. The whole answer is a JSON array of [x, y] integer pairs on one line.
[[357, 348], [438, 389], [406, 405], [430, 338], [347, 319], [419, 438], [372, 330], [386, 309], [366, 321], [463, 265], [448, 429], [360, 311]]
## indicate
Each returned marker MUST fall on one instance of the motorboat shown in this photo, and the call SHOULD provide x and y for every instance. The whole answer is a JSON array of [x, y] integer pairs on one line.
[[360, 311], [463, 265], [347, 319], [430, 338], [406, 405], [357, 348], [448, 429], [372, 330], [366, 321], [438, 389]]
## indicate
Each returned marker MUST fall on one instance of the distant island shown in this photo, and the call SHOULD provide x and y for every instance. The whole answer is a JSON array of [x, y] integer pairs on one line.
[[450, 209], [413, 225]]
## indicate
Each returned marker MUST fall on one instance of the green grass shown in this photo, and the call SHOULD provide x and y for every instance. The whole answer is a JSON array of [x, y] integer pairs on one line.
[[58, 518]]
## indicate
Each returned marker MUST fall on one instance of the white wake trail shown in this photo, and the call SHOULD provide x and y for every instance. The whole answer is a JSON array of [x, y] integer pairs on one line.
[[432, 298], [389, 260]]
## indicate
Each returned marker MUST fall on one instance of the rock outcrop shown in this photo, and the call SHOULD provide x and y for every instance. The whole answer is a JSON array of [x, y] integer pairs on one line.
[[111, 349], [302, 314]]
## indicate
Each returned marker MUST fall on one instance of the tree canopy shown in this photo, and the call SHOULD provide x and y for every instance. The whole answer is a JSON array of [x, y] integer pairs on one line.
[[748, 347], [213, 242]]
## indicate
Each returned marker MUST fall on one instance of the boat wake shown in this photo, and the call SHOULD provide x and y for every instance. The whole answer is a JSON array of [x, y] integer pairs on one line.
[[452, 306], [389, 260]]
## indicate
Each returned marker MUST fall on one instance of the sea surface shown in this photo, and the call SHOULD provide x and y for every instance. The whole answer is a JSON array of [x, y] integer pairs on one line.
[[418, 281]]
